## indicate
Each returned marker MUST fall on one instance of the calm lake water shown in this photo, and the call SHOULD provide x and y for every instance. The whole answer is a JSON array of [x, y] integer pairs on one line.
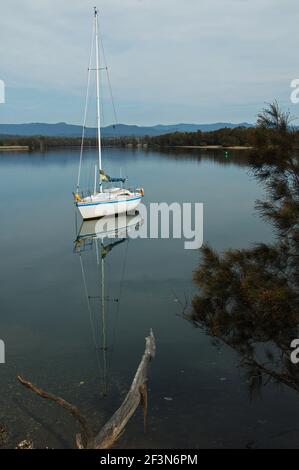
[[198, 396]]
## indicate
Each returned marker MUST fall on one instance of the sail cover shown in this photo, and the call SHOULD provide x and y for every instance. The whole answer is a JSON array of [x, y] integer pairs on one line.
[[107, 179]]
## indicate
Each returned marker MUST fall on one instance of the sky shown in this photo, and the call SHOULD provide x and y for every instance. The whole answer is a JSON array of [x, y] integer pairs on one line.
[[170, 61]]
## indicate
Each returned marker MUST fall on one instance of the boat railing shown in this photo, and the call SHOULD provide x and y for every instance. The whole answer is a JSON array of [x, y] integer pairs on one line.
[[85, 194]]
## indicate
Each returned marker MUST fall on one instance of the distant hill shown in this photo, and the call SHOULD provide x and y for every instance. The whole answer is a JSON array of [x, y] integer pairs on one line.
[[63, 129]]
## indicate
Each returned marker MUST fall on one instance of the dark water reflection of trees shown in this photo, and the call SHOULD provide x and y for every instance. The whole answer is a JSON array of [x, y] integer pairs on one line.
[[249, 299], [223, 156]]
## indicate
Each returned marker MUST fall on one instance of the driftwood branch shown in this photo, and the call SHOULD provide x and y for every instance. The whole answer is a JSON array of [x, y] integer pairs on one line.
[[113, 429], [86, 434]]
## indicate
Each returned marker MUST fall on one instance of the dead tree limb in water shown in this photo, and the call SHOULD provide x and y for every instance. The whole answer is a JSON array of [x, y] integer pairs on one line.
[[86, 434], [113, 429]]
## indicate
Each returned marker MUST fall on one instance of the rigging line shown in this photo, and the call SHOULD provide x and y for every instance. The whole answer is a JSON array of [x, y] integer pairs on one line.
[[90, 315], [112, 98], [111, 349], [104, 325], [100, 270], [109, 81], [90, 176], [102, 107], [108, 311], [86, 107], [119, 297]]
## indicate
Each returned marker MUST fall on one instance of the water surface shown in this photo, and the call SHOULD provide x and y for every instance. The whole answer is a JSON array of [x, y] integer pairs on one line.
[[198, 396]]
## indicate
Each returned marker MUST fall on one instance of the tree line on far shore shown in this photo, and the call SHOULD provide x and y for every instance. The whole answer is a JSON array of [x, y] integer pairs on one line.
[[272, 124]]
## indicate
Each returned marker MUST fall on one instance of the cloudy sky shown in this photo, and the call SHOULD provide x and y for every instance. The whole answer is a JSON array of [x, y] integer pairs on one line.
[[170, 60]]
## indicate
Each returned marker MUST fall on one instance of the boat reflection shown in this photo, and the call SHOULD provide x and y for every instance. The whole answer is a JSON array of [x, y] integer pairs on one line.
[[108, 227], [102, 236]]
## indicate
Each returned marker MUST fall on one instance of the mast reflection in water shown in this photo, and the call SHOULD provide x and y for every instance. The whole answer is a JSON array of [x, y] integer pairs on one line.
[[104, 235]]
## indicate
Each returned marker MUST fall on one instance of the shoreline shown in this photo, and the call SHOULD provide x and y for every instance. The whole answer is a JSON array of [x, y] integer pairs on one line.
[[20, 148], [14, 148], [213, 147]]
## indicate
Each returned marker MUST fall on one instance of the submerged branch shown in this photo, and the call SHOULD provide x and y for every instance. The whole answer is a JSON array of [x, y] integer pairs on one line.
[[85, 429], [113, 429]]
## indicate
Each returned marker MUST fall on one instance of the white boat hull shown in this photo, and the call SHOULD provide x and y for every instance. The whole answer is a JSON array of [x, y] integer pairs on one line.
[[95, 210]]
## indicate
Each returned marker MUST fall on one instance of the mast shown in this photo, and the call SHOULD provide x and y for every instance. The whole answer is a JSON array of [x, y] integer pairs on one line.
[[98, 93]]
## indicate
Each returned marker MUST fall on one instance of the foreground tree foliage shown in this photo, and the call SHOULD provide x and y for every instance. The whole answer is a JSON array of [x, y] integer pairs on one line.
[[249, 299], [272, 117]]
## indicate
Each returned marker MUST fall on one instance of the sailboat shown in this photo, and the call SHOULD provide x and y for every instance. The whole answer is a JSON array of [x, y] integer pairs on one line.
[[106, 238], [113, 199]]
